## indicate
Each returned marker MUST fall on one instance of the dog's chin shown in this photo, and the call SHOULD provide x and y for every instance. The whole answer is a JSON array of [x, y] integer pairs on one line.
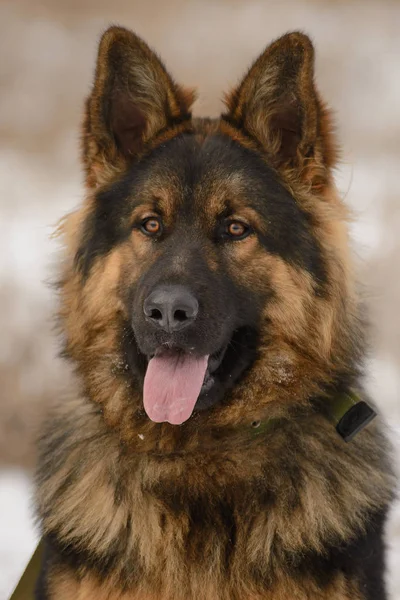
[[225, 367]]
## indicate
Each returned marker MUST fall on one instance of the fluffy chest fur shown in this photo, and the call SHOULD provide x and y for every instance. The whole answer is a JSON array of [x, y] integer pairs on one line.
[[230, 521]]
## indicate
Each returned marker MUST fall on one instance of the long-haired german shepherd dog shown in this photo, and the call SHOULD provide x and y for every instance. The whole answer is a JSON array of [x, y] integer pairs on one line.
[[208, 305]]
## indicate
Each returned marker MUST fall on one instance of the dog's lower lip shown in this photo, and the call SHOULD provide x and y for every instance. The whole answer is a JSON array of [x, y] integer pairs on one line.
[[216, 359], [208, 382], [214, 362]]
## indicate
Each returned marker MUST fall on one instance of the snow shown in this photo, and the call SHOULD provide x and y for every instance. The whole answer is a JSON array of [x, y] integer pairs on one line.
[[18, 535]]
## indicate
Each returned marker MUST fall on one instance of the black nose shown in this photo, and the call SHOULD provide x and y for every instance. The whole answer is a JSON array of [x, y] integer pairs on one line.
[[171, 308]]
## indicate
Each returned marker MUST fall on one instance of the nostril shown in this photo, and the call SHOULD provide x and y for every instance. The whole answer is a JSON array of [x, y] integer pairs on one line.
[[156, 314], [180, 315]]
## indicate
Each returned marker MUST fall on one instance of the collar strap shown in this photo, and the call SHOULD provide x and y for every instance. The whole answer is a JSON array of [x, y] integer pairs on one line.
[[347, 411], [350, 414]]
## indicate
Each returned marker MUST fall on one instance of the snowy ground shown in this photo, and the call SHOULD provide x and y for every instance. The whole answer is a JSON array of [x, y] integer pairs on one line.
[[18, 536], [48, 50]]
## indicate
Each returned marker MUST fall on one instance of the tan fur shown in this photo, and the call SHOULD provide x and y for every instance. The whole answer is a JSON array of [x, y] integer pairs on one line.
[[103, 463], [68, 588]]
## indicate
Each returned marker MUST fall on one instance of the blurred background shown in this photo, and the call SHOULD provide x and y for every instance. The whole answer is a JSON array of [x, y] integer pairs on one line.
[[47, 51]]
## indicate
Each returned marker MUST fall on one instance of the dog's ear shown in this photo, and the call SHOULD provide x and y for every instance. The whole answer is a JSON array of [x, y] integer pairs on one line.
[[278, 105], [133, 98]]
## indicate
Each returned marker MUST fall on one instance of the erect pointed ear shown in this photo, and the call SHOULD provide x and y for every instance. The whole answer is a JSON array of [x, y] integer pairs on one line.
[[132, 100], [277, 104]]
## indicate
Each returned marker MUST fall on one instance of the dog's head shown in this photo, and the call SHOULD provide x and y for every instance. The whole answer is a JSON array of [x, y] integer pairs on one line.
[[205, 247]]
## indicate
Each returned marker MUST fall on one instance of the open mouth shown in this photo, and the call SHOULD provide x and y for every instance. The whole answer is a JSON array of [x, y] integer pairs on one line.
[[174, 380], [177, 381], [214, 361]]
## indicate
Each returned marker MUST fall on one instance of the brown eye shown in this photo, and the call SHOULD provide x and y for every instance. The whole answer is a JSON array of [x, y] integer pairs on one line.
[[237, 230], [151, 226]]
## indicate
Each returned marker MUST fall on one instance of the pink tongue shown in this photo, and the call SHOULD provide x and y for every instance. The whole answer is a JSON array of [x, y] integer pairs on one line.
[[172, 385]]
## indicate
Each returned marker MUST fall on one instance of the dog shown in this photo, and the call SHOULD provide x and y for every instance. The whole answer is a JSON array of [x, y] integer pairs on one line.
[[219, 444]]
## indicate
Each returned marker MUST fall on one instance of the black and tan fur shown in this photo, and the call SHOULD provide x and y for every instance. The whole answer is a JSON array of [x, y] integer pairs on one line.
[[211, 510]]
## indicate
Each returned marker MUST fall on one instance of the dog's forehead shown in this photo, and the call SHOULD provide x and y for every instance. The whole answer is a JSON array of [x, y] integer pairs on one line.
[[214, 172]]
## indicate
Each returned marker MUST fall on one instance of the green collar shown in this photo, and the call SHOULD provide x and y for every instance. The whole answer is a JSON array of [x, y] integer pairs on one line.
[[350, 414], [347, 411]]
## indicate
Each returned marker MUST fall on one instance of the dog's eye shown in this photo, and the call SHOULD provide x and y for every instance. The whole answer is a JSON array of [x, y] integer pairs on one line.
[[151, 226], [237, 230]]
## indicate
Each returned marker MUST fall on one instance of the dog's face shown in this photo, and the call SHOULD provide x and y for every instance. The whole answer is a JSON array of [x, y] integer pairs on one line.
[[194, 319], [200, 246]]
